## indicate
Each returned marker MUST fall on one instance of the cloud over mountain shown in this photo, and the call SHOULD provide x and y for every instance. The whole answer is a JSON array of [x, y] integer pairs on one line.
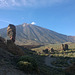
[[33, 23]]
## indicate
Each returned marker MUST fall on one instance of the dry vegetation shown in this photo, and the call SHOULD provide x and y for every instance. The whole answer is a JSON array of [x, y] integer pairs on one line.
[[35, 58], [63, 58]]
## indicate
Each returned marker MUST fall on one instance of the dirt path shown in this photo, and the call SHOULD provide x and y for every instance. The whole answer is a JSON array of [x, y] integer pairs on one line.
[[50, 59]]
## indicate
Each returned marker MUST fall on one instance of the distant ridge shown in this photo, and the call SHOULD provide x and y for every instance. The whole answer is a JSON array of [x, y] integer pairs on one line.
[[28, 34]]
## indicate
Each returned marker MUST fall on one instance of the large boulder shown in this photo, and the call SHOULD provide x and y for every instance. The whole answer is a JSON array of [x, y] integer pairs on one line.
[[11, 32]]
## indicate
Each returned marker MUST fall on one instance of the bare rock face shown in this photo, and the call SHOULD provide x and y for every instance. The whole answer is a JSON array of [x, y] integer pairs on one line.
[[11, 32]]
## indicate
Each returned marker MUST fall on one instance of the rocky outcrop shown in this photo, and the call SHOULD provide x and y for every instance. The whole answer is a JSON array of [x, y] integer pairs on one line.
[[52, 50], [2, 43], [11, 47], [16, 50], [46, 51], [2, 39], [64, 47], [11, 32], [7, 66], [7, 58]]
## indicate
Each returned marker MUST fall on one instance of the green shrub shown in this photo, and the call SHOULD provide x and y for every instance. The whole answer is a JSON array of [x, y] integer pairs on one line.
[[26, 62], [25, 66], [61, 62]]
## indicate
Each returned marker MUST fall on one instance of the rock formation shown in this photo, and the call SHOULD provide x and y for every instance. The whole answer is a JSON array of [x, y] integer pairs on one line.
[[52, 50], [11, 32], [64, 47], [14, 49], [46, 51]]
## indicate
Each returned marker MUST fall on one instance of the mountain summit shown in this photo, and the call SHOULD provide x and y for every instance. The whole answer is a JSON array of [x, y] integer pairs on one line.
[[32, 34]]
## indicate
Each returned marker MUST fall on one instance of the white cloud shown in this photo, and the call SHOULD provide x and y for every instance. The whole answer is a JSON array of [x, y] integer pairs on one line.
[[5, 21], [3, 3], [27, 3], [14, 3], [33, 23], [9, 3]]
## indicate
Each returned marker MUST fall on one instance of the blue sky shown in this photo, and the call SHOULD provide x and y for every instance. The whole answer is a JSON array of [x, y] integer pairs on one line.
[[56, 15]]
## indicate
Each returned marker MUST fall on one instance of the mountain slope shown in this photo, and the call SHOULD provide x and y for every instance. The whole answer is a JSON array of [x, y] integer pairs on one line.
[[31, 34]]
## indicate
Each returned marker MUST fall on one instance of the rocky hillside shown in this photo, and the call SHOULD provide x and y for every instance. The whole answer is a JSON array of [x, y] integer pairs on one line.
[[32, 34], [7, 63]]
